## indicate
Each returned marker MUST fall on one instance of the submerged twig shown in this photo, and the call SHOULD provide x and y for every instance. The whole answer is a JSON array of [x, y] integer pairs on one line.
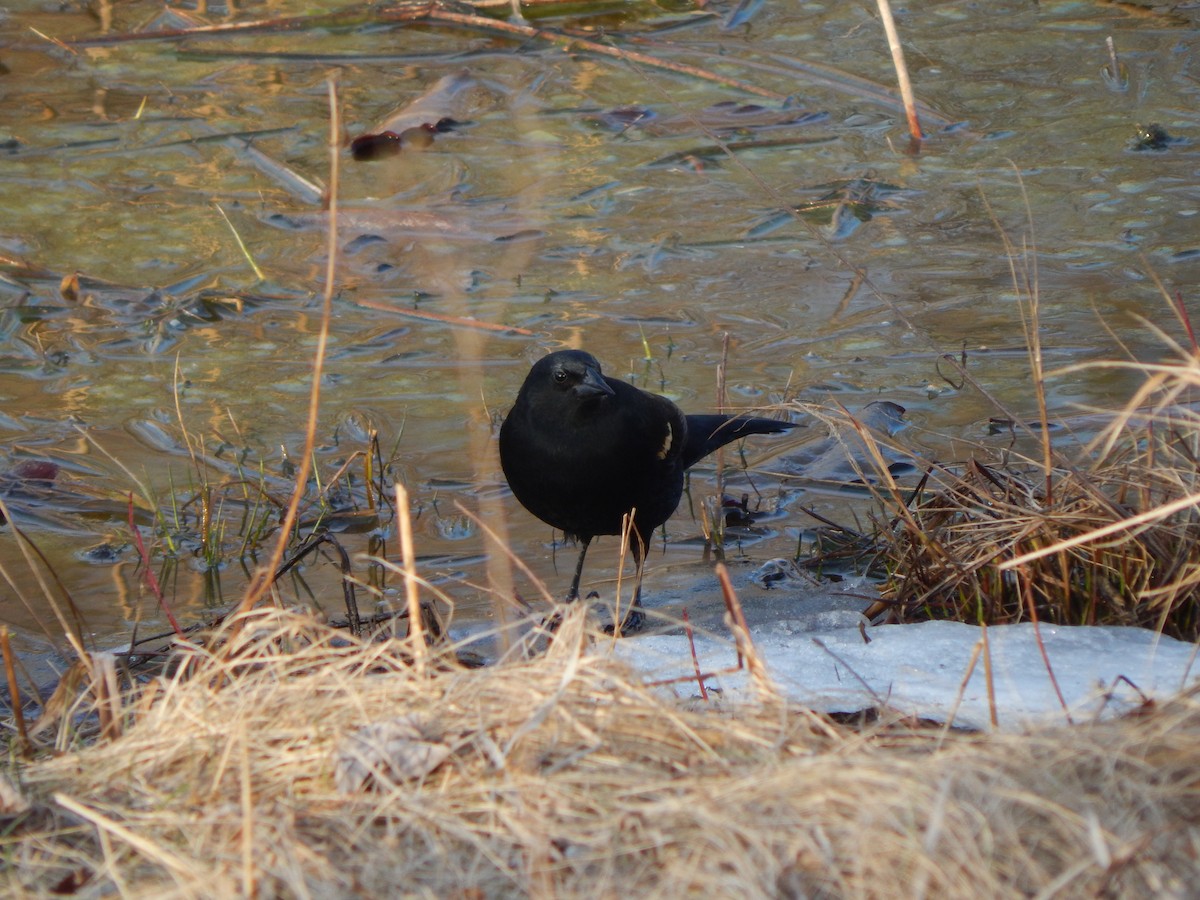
[[435, 14], [353, 618], [426, 316], [258, 273], [284, 23]]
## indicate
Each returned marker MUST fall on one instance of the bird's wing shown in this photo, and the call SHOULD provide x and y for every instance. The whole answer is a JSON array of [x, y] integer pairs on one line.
[[706, 433]]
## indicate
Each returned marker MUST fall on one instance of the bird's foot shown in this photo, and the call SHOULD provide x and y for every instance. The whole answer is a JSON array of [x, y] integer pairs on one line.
[[634, 621], [552, 622], [573, 597]]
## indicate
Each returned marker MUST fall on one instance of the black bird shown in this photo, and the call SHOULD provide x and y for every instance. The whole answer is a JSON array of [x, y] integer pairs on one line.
[[581, 450]]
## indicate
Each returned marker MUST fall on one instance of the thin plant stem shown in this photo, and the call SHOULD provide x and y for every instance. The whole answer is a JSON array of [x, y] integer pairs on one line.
[[906, 91], [264, 576], [416, 631]]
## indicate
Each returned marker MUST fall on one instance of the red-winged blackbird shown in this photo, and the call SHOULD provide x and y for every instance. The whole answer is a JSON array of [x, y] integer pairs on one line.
[[581, 450]]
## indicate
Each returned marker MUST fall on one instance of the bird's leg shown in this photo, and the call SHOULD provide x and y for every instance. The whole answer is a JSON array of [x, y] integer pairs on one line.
[[573, 594], [634, 616]]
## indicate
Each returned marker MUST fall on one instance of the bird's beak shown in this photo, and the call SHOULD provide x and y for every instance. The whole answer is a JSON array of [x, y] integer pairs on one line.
[[593, 385]]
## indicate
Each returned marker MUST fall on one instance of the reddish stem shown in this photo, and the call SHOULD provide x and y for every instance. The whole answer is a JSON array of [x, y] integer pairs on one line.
[[148, 575]]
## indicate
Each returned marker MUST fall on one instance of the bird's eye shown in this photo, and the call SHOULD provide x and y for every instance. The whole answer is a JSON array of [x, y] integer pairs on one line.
[[559, 376]]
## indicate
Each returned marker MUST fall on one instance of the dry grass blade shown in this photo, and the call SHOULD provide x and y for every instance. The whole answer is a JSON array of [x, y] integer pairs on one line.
[[499, 546], [416, 634], [53, 592], [264, 577], [628, 536], [14, 692], [154, 853], [741, 635], [897, 50]]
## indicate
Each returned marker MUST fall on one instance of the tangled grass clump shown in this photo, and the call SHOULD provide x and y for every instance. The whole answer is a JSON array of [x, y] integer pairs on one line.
[[1112, 538]]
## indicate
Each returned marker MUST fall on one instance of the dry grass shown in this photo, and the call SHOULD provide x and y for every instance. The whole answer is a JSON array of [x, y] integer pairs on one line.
[[965, 552], [1110, 537], [299, 764]]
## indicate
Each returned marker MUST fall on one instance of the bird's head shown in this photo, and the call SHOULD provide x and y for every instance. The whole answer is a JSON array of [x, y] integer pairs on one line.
[[571, 373]]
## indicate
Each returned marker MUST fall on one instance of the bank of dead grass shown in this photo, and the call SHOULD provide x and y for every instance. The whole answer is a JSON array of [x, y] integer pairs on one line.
[[1106, 535], [258, 770]]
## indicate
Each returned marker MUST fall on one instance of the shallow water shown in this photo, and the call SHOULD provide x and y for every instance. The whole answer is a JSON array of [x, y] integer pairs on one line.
[[543, 213]]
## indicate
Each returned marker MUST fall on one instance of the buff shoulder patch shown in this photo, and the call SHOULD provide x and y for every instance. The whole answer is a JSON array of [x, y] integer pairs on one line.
[[665, 451]]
